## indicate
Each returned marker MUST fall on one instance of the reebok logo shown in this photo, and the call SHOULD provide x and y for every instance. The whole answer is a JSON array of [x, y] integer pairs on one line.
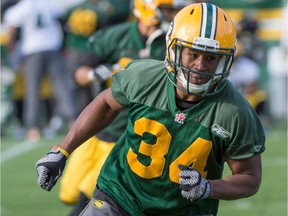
[[220, 131]]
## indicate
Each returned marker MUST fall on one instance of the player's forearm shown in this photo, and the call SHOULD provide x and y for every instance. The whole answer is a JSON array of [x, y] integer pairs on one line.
[[234, 187], [95, 117]]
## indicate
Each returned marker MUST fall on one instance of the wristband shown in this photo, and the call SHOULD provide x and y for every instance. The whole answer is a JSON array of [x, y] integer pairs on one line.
[[207, 191], [63, 151]]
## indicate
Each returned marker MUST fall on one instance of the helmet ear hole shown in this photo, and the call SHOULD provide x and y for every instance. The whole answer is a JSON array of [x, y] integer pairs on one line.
[[192, 12]]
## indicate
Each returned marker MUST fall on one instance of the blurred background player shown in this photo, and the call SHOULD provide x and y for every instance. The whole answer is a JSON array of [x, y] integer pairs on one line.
[[7, 75], [79, 23], [246, 70], [252, 46], [41, 47], [13, 84], [114, 47], [245, 75]]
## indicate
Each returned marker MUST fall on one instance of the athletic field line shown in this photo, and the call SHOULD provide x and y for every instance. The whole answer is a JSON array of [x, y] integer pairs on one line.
[[19, 149]]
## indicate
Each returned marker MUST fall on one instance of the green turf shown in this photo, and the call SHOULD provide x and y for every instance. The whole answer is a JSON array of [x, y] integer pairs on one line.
[[271, 199], [21, 196]]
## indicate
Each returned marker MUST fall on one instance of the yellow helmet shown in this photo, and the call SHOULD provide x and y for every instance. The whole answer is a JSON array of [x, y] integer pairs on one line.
[[203, 27], [148, 11]]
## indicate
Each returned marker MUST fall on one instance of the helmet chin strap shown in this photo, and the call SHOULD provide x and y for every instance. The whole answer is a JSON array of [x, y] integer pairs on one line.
[[193, 88], [219, 69]]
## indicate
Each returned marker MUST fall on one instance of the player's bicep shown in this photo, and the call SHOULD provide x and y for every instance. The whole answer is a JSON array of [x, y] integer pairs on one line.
[[250, 166], [110, 101]]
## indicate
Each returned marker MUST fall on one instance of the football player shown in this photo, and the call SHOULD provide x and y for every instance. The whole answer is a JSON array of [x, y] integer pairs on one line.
[[80, 22], [113, 48], [185, 121]]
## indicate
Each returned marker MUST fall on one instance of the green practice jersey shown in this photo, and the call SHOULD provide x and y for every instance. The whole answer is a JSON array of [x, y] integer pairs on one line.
[[84, 19], [141, 173], [124, 40]]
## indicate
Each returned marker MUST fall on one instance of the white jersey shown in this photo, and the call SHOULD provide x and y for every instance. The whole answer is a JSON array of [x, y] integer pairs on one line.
[[40, 30], [244, 71]]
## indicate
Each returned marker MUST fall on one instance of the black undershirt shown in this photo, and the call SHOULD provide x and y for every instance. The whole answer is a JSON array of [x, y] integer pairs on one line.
[[183, 104]]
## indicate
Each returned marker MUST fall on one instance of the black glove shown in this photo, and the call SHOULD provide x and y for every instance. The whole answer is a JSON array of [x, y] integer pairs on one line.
[[49, 168], [192, 185]]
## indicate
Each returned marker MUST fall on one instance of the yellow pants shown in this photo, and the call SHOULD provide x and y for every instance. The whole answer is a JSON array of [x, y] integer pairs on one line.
[[82, 169]]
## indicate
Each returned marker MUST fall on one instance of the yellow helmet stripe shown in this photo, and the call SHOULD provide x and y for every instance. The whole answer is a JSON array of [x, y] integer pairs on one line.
[[209, 21]]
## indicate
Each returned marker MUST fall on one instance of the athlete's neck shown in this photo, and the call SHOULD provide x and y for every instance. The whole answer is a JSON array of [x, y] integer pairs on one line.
[[187, 97], [183, 104]]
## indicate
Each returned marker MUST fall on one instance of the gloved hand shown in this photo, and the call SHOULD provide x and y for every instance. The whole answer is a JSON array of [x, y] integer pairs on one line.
[[49, 168], [104, 72], [192, 185], [101, 73]]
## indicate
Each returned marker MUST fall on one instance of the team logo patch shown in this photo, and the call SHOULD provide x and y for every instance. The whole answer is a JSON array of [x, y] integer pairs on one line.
[[257, 148], [179, 118], [98, 204], [217, 129]]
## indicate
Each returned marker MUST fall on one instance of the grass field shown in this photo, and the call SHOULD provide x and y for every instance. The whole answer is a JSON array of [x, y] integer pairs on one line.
[[21, 196]]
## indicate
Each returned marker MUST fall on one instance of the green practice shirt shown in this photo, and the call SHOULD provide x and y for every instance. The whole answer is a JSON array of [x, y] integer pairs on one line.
[[141, 173], [116, 42], [124, 40], [105, 13]]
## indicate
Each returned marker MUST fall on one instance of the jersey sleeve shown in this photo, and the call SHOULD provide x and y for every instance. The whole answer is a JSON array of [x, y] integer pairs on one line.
[[118, 83], [123, 83], [105, 41], [232, 119], [124, 40], [139, 79], [247, 135]]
